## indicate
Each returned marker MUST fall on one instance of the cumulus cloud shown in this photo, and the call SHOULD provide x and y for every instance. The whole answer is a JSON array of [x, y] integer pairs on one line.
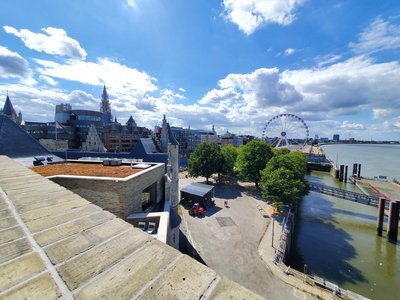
[[82, 100], [13, 65], [378, 36], [315, 94], [289, 51], [346, 87], [121, 79], [131, 3], [353, 126], [48, 80], [263, 87], [249, 15], [55, 41], [379, 113], [182, 90]]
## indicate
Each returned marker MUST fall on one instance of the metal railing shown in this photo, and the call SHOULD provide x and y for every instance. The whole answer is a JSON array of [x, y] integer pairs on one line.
[[344, 194]]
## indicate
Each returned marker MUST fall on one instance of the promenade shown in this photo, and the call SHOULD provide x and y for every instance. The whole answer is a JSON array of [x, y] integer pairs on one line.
[[228, 240]]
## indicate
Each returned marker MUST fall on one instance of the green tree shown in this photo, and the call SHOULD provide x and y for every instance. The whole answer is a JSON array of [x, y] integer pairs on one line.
[[229, 152], [252, 158], [282, 180], [280, 151], [294, 161], [205, 160]]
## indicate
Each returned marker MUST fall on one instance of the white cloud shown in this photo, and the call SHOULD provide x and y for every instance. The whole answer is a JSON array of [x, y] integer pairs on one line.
[[378, 36], [182, 90], [347, 87], [120, 79], [327, 59], [55, 41], [352, 126], [289, 51], [380, 113], [260, 88], [131, 3], [247, 101], [48, 80], [13, 65], [249, 15]]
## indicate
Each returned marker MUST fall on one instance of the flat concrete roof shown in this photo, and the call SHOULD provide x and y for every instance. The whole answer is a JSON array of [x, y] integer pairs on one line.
[[55, 244], [197, 189], [87, 169]]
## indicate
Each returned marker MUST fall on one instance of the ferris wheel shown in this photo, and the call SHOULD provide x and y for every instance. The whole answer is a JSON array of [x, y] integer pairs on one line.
[[285, 130]]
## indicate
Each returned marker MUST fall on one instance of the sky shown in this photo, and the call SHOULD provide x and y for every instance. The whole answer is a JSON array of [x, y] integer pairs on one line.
[[234, 64]]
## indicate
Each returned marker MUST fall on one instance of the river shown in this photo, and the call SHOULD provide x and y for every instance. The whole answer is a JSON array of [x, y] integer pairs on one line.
[[337, 238], [375, 159]]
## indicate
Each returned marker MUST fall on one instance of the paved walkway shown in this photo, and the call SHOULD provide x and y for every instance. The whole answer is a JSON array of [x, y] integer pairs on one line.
[[380, 188], [227, 239]]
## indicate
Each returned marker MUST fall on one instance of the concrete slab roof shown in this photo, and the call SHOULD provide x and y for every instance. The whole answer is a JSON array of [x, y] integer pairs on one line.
[[55, 244]]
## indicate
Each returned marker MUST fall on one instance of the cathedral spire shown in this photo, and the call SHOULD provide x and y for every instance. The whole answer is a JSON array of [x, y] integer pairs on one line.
[[105, 107]]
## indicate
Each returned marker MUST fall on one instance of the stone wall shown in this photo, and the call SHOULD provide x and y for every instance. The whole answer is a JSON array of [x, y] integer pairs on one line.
[[54, 145], [121, 197]]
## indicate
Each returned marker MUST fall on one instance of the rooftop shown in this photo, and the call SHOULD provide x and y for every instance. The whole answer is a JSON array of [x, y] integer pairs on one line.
[[197, 189], [55, 244], [86, 169]]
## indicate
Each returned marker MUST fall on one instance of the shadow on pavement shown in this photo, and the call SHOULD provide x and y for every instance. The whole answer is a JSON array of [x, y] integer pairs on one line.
[[254, 192], [186, 248], [227, 192], [211, 210]]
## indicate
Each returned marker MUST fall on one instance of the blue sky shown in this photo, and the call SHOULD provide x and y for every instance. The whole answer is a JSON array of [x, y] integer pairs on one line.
[[231, 63]]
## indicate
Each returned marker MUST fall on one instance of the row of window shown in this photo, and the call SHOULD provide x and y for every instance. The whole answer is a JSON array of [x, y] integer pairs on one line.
[[89, 118]]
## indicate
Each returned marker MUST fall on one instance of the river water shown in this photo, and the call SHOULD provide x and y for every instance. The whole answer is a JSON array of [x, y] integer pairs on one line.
[[337, 238], [375, 159]]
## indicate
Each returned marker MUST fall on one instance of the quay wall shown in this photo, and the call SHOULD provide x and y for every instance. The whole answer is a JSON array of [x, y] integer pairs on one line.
[[311, 284], [283, 250]]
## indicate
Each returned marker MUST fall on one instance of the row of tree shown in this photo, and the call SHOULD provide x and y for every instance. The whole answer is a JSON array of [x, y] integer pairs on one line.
[[279, 173]]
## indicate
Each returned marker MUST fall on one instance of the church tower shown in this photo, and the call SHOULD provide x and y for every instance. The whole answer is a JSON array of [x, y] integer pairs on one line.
[[9, 111], [105, 106]]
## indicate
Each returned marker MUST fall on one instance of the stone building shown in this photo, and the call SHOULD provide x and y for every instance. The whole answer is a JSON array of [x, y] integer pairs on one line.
[[93, 142], [121, 190], [171, 146], [123, 138]]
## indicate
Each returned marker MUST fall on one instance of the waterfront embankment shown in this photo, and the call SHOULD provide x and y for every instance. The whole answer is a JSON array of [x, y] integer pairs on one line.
[[276, 240], [337, 240]]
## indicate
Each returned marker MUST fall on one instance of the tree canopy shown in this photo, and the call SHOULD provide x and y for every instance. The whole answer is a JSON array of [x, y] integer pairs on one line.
[[205, 160], [229, 153], [252, 158], [283, 181]]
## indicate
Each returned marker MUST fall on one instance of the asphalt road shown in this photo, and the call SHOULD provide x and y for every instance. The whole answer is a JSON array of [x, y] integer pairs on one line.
[[226, 239]]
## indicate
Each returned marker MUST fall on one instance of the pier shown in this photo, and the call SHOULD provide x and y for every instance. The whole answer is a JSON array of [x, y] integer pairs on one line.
[[382, 203], [344, 194]]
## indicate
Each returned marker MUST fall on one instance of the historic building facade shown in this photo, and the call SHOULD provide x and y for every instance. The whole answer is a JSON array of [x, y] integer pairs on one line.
[[122, 138]]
